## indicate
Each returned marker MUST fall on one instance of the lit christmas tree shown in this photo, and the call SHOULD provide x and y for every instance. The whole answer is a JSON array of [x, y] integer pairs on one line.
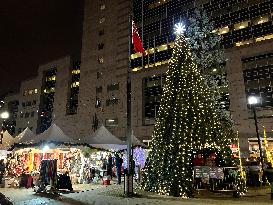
[[205, 44], [186, 122], [268, 154]]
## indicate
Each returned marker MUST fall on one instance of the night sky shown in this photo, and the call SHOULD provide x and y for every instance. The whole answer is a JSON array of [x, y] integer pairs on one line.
[[34, 32]]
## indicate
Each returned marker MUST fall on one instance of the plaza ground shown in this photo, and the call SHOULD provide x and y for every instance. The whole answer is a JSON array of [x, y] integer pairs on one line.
[[86, 194]]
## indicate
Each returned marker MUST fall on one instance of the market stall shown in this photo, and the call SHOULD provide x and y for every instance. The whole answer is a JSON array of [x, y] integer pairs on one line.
[[25, 164]]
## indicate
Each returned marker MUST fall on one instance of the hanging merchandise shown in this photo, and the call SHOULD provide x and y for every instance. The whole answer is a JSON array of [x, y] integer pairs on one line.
[[48, 175]]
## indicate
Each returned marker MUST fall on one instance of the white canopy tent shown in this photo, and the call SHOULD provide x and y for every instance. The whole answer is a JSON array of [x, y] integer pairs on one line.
[[137, 142], [7, 141], [53, 134], [27, 136], [104, 139]]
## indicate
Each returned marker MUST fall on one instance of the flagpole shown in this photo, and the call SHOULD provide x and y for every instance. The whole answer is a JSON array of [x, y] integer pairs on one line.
[[142, 28], [128, 182]]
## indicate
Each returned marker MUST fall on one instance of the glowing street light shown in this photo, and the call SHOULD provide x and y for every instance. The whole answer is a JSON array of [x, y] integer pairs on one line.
[[4, 115], [45, 148], [179, 28], [253, 101]]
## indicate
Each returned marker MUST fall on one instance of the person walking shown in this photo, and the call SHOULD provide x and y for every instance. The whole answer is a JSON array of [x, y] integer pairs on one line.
[[119, 162]]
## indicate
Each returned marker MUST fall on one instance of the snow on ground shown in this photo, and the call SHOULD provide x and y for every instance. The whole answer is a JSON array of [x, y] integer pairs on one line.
[[87, 194]]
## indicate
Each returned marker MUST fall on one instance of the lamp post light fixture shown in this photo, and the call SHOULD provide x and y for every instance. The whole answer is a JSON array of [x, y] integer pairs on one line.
[[4, 115], [253, 101]]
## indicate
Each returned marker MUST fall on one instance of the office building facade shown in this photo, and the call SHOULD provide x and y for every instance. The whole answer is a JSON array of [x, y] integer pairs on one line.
[[81, 97]]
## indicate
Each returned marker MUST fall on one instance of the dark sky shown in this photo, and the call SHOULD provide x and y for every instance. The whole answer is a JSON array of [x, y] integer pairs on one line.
[[34, 32]]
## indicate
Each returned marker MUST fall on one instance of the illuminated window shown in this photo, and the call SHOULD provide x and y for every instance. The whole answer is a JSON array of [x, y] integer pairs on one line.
[[261, 19], [100, 60], [102, 6], [75, 84], [98, 103], [224, 30], [78, 71], [51, 78], [241, 25], [102, 19], [99, 75], [162, 48], [151, 50], [242, 43], [30, 92], [25, 93], [111, 122], [264, 38], [136, 55], [35, 90]]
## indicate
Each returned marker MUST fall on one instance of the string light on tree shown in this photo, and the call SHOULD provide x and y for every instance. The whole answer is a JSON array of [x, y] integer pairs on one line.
[[179, 28], [267, 151], [187, 121]]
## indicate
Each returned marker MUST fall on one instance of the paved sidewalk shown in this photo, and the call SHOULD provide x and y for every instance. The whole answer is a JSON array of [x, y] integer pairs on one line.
[[112, 195]]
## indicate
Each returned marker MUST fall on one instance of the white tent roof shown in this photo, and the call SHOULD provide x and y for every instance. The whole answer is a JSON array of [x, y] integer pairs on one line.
[[137, 142], [27, 136], [53, 134], [104, 139], [7, 141], [103, 136]]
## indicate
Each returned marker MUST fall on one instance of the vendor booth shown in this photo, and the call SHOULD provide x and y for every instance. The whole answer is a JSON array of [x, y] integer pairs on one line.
[[35, 158]]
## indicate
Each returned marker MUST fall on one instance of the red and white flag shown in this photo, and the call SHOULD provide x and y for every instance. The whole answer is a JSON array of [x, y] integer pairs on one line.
[[138, 47]]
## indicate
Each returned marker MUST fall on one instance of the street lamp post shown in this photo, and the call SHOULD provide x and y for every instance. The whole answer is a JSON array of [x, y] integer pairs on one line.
[[4, 115], [252, 101]]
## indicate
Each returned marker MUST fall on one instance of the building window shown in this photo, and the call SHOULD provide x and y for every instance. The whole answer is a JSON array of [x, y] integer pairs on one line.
[[100, 60], [101, 32], [151, 99], [113, 101], [102, 6], [100, 46], [111, 122], [23, 104], [224, 30], [99, 75], [26, 114], [34, 102], [241, 25], [99, 89], [75, 84], [98, 103], [32, 114], [102, 19], [113, 87], [260, 20], [35, 90]]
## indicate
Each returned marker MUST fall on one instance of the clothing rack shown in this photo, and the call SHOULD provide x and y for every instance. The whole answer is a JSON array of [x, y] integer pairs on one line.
[[48, 176]]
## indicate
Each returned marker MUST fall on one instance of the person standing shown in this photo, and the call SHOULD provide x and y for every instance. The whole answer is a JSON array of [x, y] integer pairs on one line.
[[119, 162], [110, 165]]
